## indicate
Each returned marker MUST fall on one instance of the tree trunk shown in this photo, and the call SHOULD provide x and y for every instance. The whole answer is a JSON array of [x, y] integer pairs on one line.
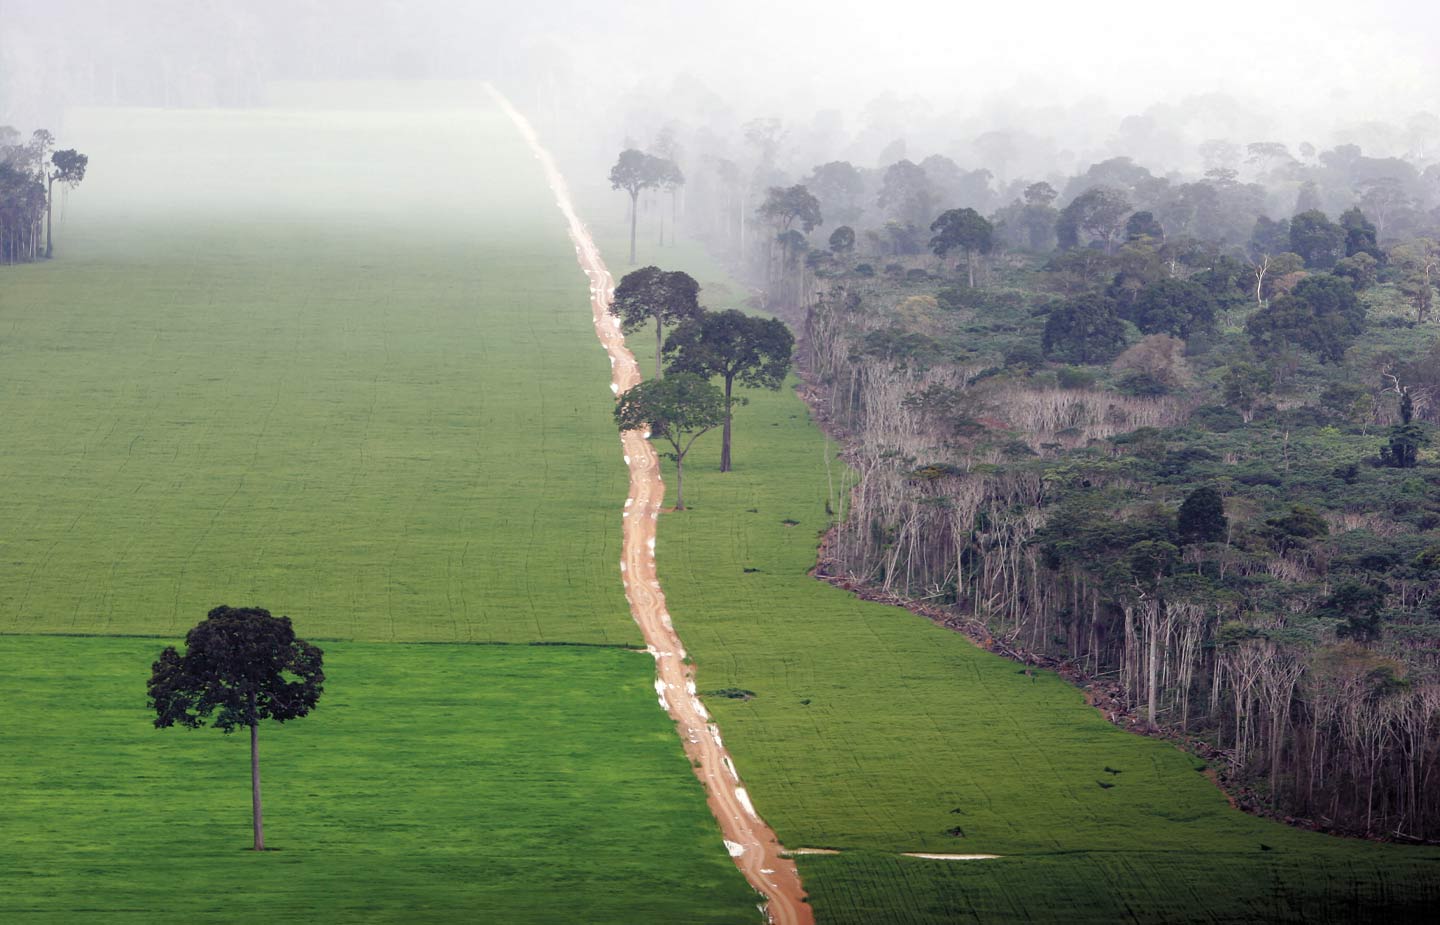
[[725, 434], [49, 217], [679, 482], [970, 266], [1154, 666], [259, 817], [634, 217], [659, 346]]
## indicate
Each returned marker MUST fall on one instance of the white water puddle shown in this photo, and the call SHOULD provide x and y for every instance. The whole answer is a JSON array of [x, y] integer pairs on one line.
[[951, 857], [734, 849], [744, 799]]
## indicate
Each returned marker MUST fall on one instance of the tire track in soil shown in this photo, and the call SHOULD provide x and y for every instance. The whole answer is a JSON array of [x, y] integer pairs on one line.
[[753, 845]]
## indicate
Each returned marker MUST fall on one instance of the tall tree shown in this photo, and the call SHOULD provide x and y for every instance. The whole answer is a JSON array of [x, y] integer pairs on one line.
[[1097, 213], [1084, 330], [838, 186], [736, 347], [678, 409], [907, 194], [1360, 236], [241, 665], [651, 294], [964, 230], [69, 169], [1317, 239], [634, 172]]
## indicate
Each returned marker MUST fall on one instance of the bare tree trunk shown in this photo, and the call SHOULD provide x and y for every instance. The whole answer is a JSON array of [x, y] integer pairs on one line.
[[258, 815], [634, 217], [725, 434], [679, 482], [49, 217]]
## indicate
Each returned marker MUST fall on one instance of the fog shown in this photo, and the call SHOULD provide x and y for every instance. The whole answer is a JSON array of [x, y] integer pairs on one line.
[[846, 79]]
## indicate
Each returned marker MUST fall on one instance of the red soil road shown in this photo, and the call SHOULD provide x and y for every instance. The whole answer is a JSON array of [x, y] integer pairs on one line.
[[749, 840]]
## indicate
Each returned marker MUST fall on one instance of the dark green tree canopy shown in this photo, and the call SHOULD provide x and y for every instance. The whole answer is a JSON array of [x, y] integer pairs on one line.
[[736, 347], [1360, 236], [1173, 306], [1144, 225], [1084, 330], [652, 294], [635, 171], [666, 297], [1201, 518], [842, 239], [1321, 315], [240, 666], [1319, 241]]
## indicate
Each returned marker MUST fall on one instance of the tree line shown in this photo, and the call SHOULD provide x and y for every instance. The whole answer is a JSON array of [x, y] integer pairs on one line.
[[1169, 435], [29, 171]]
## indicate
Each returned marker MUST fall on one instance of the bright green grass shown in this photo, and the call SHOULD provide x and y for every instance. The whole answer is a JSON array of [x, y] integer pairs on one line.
[[339, 365], [875, 731], [312, 389], [434, 783]]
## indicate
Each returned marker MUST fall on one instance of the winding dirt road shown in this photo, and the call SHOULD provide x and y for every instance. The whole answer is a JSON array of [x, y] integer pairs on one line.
[[749, 840]]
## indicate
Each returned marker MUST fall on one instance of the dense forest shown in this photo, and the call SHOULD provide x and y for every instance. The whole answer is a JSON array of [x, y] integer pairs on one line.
[[1166, 430]]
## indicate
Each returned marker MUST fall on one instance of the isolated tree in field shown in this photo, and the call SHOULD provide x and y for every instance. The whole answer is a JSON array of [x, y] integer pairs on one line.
[[678, 409], [736, 347], [634, 172], [964, 230], [69, 169], [651, 294], [842, 240], [241, 665]]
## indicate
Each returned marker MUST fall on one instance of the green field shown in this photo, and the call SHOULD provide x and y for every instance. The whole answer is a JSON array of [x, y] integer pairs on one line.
[[875, 732], [339, 365], [387, 419], [435, 783]]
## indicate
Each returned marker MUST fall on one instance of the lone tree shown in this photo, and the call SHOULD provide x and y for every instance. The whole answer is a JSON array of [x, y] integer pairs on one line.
[[241, 665], [650, 293], [634, 172], [678, 408], [736, 347], [964, 230], [69, 171]]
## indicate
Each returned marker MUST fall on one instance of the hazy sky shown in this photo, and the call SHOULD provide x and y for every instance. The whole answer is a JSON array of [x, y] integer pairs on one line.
[[1369, 58], [1331, 61]]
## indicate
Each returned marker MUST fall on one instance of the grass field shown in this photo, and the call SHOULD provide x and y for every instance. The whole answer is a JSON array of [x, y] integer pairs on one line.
[[435, 783], [875, 732], [386, 419], [339, 365]]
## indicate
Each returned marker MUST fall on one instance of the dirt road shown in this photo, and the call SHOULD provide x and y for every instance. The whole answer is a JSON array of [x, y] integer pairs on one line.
[[748, 839]]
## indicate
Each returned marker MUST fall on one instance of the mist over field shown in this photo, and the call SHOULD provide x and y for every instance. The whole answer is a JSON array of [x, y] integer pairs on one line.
[[1137, 78]]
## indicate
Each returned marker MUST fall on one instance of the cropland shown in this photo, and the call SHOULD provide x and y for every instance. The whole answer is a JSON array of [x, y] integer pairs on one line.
[[288, 364], [315, 364]]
